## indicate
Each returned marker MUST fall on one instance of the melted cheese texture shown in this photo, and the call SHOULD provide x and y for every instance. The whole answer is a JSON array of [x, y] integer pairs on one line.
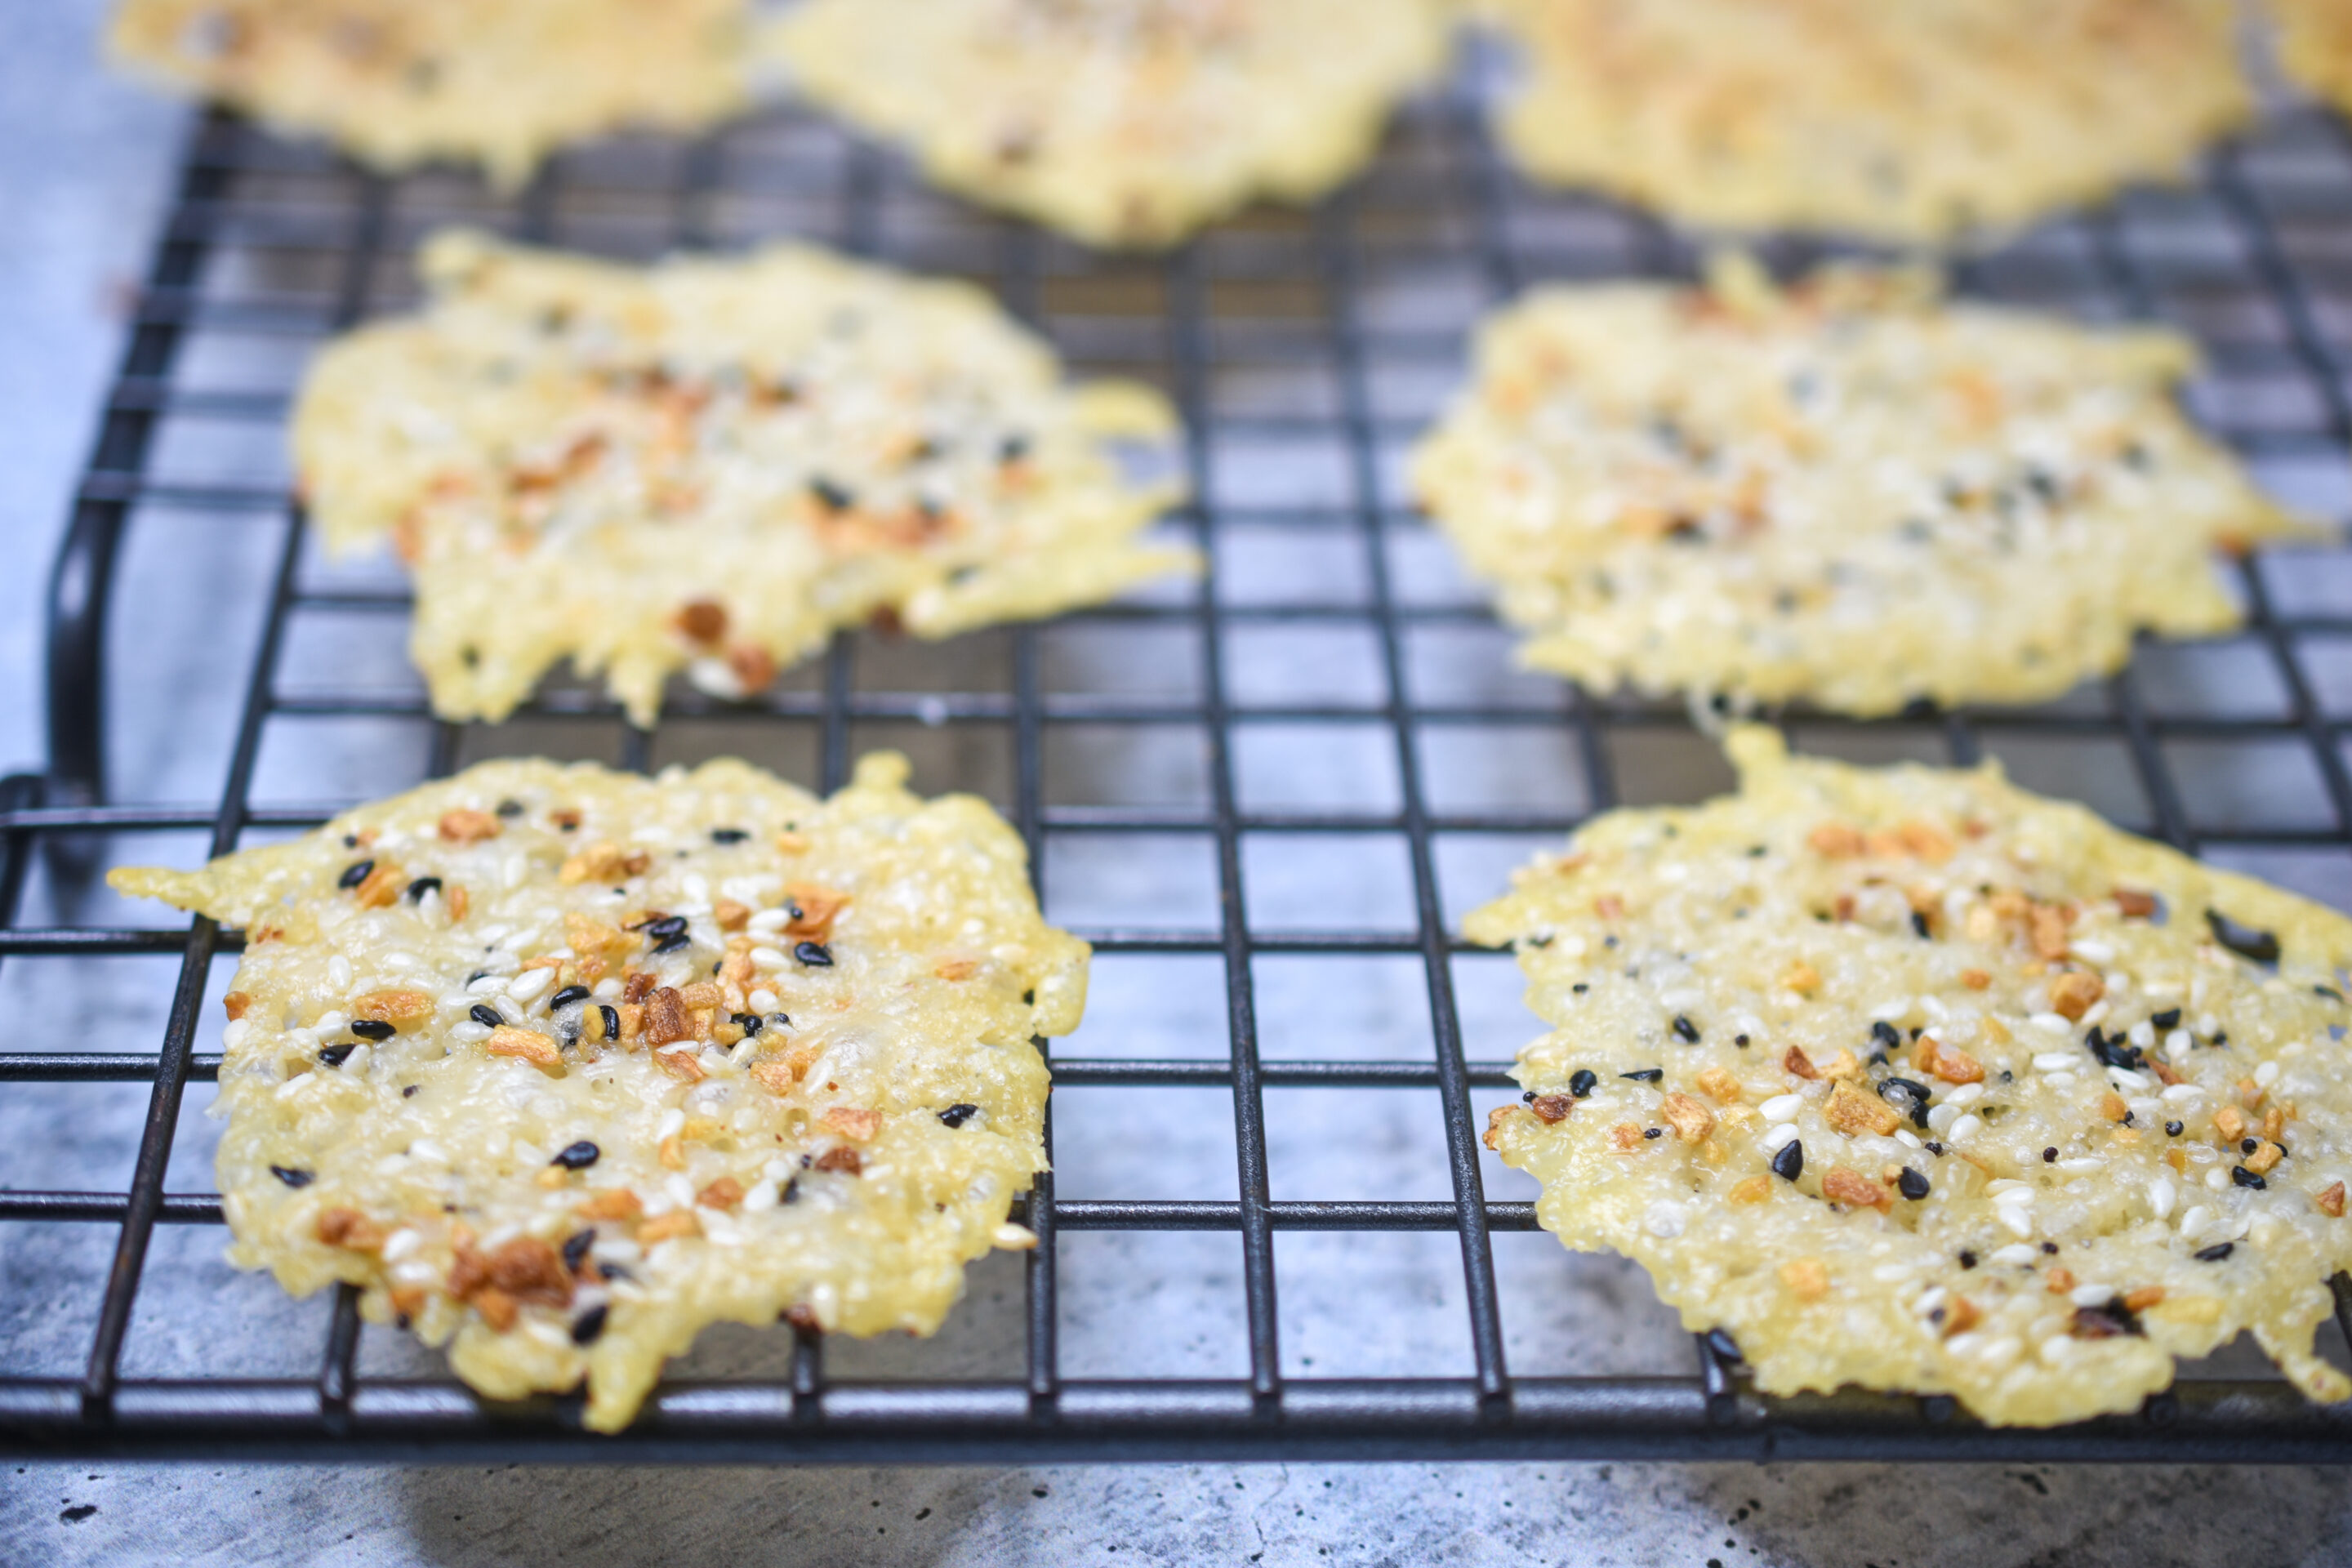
[[560, 1065], [1912, 123], [709, 465], [1848, 490], [1123, 123], [1911, 1079], [397, 83]]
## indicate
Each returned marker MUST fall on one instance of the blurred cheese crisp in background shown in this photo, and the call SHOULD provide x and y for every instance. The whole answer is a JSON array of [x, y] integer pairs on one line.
[[1123, 123], [1912, 123], [397, 83]]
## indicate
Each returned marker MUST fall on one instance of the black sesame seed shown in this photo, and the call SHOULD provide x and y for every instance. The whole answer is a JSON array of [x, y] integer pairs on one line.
[[2167, 1019], [792, 1191], [813, 953], [611, 1020], [2105, 1320], [1886, 1035], [1788, 1161], [567, 996], [408, 1092], [730, 834], [589, 1326], [1579, 988], [1645, 1075], [672, 944], [780, 1020], [350, 841], [1919, 923], [1685, 1028], [2216, 1252], [510, 808], [577, 1156], [957, 1115], [2329, 991], [2262, 946], [333, 1056], [2048, 1156], [373, 1029], [1967, 1259], [2173, 1129], [576, 1248], [663, 927], [1528, 1097], [749, 1023], [355, 873], [1580, 1082], [2247, 1145], [614, 1271], [1012, 449], [422, 885], [485, 1015], [1906, 1094], [2246, 1178], [1934, 1148], [1739, 1040], [1653, 1131], [1911, 1184], [293, 1178]]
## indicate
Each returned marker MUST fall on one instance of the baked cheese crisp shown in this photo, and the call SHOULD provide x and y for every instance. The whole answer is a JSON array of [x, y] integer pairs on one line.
[[710, 465], [397, 83], [1124, 123], [560, 1065], [1910, 122], [1912, 1079], [2315, 47], [1849, 491]]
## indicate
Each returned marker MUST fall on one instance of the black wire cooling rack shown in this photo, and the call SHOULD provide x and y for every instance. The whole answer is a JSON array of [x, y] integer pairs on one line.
[[2236, 749]]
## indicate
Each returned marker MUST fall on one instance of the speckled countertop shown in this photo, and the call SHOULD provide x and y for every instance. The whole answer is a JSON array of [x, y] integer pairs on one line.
[[83, 166]]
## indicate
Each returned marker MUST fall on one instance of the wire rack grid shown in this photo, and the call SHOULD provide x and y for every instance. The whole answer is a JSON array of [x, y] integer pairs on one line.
[[1328, 684]]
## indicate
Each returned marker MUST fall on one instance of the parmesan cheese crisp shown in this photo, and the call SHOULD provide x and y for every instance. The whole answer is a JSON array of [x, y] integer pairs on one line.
[[2315, 47], [710, 465], [1911, 1079], [1911, 122], [559, 1065], [1125, 122], [397, 83], [1847, 490]]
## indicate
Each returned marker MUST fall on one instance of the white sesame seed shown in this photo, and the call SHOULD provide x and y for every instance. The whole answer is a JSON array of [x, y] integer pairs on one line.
[[2014, 1254], [2161, 1193], [401, 1243], [607, 989], [1782, 1108], [763, 1000], [523, 987], [2054, 1061], [1778, 1135], [1967, 1094], [761, 1198], [2092, 1295], [425, 1149], [2193, 1222], [2051, 1023], [2217, 1178], [2178, 1092], [1963, 1130], [2266, 1074], [767, 921], [2081, 1163], [2143, 1035], [339, 973], [1904, 1135], [680, 1190], [329, 1022], [768, 958], [672, 1123], [234, 1033], [486, 984], [1894, 1007], [2178, 1041]]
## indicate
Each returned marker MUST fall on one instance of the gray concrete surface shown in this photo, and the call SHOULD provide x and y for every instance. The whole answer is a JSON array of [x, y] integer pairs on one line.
[[82, 167]]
